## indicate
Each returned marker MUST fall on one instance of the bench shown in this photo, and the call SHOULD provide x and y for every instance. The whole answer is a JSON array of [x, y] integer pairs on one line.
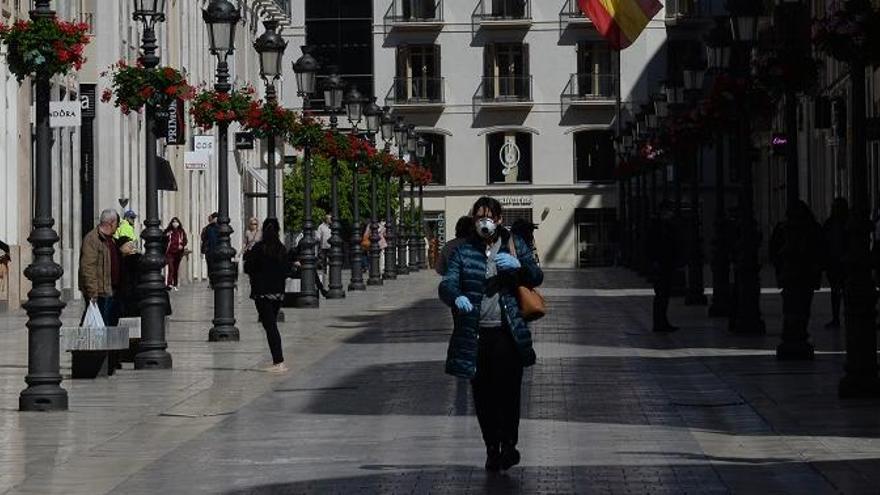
[[91, 349]]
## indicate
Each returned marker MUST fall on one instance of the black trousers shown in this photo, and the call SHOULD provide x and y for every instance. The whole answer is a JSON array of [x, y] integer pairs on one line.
[[268, 311], [662, 291], [496, 387]]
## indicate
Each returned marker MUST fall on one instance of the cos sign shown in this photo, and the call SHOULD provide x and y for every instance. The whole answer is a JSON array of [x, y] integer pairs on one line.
[[203, 144]]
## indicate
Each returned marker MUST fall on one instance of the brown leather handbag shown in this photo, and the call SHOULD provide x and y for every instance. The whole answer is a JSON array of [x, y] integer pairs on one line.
[[532, 304]]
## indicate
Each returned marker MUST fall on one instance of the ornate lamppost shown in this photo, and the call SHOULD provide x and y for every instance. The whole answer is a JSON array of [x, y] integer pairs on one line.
[[390, 273], [421, 152], [222, 17], [333, 94], [412, 142], [354, 105], [746, 315], [693, 78], [270, 46], [718, 62], [306, 69], [151, 352], [373, 117], [44, 391], [401, 137]]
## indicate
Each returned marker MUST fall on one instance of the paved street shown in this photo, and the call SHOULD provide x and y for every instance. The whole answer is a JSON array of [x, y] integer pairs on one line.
[[609, 408]]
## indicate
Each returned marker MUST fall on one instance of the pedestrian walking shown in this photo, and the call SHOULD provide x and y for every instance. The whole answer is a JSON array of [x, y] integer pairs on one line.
[[797, 252], [252, 235], [324, 235], [491, 342], [664, 248], [464, 230], [100, 267], [835, 240], [127, 228], [297, 256], [210, 238], [175, 249], [266, 265]]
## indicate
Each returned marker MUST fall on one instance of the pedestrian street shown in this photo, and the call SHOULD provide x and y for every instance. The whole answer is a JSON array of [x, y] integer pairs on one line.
[[610, 407]]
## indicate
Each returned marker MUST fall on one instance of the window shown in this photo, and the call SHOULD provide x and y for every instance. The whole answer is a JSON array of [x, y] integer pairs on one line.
[[509, 9], [435, 157], [419, 9], [506, 71], [418, 74], [509, 157], [340, 33], [511, 215], [595, 69], [594, 156]]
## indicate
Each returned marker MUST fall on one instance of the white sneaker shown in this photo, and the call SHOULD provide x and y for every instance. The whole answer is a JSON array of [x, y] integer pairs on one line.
[[277, 368], [174, 288]]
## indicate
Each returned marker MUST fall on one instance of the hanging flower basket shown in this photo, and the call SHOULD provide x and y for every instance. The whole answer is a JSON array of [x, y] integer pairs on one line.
[[270, 119], [334, 145], [210, 108], [44, 47], [132, 87], [850, 33], [421, 176], [306, 132]]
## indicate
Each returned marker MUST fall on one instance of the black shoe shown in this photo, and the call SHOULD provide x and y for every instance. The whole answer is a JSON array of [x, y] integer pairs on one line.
[[509, 457], [493, 460]]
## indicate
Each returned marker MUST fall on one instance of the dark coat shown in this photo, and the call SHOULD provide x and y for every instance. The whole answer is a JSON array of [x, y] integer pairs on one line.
[[466, 275], [797, 251], [267, 272]]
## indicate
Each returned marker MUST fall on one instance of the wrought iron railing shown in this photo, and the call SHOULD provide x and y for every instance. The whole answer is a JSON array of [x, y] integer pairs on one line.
[[502, 89], [416, 91], [503, 10], [415, 11], [590, 86], [571, 12], [686, 9]]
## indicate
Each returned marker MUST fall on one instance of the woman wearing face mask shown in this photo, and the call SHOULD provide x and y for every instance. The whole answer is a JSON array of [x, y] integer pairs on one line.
[[491, 343], [175, 248]]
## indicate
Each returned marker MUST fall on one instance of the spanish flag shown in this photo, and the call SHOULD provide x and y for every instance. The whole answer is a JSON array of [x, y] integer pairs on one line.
[[620, 21]]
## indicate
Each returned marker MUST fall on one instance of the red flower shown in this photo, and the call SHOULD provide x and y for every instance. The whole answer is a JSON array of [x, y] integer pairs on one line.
[[146, 92], [106, 95]]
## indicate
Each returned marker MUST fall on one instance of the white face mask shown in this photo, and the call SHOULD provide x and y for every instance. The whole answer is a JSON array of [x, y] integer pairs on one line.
[[486, 228], [175, 224]]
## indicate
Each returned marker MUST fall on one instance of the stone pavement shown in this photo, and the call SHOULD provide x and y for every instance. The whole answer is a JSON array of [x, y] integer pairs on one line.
[[609, 408]]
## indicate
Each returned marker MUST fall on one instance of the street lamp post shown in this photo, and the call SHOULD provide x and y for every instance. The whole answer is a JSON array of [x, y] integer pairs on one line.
[[373, 117], [333, 89], [421, 152], [354, 105], [44, 391], [412, 141], [694, 77], [746, 315], [401, 137], [718, 61], [152, 352], [390, 273], [306, 69], [222, 17], [270, 46]]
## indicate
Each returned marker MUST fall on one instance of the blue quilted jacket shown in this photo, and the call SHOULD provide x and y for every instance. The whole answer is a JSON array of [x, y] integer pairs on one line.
[[466, 275]]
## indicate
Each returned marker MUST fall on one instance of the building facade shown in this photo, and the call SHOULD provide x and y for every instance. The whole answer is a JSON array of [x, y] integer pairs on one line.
[[100, 164], [518, 99]]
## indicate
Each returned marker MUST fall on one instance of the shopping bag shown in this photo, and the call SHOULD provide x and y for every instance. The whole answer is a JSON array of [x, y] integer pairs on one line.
[[93, 317]]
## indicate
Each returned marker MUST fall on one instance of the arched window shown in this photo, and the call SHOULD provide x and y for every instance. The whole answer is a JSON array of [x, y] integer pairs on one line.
[[594, 155], [509, 156]]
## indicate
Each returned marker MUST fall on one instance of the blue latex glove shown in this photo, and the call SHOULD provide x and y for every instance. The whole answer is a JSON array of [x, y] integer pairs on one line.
[[463, 304], [506, 262]]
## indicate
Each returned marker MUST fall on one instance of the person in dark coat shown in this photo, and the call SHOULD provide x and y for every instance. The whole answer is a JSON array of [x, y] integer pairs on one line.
[[491, 342], [664, 251], [835, 238], [797, 252], [266, 264], [210, 237], [464, 229], [526, 230]]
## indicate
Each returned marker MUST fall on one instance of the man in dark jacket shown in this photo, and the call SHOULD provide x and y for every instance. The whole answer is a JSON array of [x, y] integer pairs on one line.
[[796, 250], [834, 231], [491, 342], [210, 240], [464, 229], [664, 250]]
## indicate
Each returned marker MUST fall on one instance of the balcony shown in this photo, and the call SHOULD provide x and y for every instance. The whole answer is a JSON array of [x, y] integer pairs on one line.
[[589, 90], [414, 15], [502, 14], [572, 16], [416, 93], [686, 12], [504, 92]]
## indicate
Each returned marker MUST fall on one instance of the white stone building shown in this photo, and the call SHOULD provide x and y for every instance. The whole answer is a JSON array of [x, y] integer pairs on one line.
[[96, 172], [532, 78]]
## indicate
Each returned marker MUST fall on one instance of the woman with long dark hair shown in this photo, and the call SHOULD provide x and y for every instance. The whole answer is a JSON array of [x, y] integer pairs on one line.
[[175, 248], [266, 264]]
